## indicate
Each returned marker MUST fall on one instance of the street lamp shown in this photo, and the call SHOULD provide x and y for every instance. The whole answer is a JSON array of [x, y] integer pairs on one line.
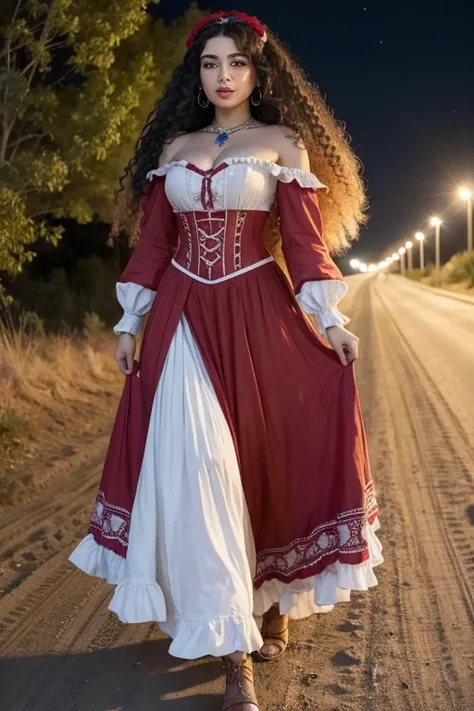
[[401, 252], [355, 263], [409, 246], [466, 195], [420, 237], [436, 223]]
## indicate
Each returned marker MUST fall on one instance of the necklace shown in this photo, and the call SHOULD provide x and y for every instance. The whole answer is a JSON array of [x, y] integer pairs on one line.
[[223, 134]]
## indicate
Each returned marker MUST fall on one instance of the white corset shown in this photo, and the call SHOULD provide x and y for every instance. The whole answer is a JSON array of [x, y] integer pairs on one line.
[[235, 184]]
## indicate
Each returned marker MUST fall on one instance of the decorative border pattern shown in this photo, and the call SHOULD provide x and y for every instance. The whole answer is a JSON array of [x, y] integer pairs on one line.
[[343, 535], [112, 522]]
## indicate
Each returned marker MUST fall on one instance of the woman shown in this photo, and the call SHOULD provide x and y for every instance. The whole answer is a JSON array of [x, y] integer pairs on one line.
[[237, 481]]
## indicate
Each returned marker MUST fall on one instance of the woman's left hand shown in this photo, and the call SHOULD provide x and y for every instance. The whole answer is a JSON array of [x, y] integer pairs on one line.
[[344, 343]]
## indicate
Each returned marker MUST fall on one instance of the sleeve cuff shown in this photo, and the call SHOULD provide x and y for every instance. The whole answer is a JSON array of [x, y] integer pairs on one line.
[[320, 299], [136, 301], [129, 323]]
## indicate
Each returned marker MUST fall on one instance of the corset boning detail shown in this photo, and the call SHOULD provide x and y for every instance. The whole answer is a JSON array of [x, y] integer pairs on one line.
[[217, 244]]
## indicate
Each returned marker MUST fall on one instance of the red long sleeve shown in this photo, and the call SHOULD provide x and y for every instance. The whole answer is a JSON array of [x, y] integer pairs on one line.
[[306, 255], [154, 250]]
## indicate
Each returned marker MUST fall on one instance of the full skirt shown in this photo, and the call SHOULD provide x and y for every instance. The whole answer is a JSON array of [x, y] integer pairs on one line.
[[254, 484]]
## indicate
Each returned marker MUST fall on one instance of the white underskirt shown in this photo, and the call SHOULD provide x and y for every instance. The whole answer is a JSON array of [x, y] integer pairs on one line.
[[191, 555]]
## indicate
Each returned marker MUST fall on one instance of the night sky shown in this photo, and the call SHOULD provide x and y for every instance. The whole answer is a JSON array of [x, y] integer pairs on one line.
[[401, 75]]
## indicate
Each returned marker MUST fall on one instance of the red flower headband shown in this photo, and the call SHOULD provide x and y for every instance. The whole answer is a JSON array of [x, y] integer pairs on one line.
[[224, 17]]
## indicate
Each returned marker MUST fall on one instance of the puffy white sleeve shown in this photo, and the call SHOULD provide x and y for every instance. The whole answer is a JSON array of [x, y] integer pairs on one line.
[[320, 298], [136, 301]]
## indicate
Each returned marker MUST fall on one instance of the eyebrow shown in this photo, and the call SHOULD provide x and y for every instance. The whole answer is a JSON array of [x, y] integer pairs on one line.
[[214, 56]]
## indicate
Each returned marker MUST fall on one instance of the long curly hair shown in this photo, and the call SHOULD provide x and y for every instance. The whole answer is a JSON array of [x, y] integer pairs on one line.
[[288, 98]]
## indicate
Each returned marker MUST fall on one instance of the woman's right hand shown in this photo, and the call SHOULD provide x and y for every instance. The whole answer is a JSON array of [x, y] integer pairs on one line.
[[125, 352]]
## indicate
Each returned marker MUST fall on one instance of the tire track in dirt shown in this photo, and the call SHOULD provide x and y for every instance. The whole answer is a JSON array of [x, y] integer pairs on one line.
[[28, 539], [423, 464]]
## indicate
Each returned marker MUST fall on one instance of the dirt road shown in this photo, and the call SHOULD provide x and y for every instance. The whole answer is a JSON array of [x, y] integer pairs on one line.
[[407, 645]]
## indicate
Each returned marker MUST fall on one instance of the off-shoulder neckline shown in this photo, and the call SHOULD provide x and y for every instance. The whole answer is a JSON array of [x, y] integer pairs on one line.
[[283, 173]]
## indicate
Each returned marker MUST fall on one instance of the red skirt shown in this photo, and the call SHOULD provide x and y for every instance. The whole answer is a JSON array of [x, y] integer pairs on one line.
[[293, 411]]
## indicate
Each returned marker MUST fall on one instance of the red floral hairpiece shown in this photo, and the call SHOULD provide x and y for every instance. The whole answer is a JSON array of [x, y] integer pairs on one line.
[[225, 17]]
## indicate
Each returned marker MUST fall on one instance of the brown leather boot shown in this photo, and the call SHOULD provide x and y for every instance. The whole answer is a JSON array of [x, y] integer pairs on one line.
[[239, 683]]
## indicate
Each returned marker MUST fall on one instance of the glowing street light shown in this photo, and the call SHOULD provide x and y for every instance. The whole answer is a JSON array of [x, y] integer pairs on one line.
[[363, 267], [421, 237], [436, 223], [355, 263], [395, 257], [466, 195], [372, 267]]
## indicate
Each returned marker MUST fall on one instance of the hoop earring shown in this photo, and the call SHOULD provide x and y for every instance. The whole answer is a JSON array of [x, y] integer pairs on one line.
[[259, 101], [201, 104]]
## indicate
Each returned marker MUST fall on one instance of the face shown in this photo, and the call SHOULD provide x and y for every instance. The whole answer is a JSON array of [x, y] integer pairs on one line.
[[227, 76]]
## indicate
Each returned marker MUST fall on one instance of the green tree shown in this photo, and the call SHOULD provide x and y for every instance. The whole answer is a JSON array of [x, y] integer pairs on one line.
[[77, 80]]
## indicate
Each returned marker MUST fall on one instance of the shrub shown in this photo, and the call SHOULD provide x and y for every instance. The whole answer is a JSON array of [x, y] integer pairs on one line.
[[460, 268]]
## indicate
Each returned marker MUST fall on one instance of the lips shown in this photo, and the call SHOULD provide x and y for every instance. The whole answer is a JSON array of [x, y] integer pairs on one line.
[[225, 92]]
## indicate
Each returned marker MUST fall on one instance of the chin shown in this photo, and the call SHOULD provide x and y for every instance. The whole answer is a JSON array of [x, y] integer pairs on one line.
[[228, 103]]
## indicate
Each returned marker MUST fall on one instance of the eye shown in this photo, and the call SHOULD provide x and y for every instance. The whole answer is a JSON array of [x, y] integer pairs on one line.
[[209, 65], [239, 63]]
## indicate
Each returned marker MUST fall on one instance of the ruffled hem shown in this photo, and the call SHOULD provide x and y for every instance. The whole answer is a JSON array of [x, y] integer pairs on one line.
[[321, 592], [193, 639], [138, 601], [135, 602], [282, 173], [98, 561]]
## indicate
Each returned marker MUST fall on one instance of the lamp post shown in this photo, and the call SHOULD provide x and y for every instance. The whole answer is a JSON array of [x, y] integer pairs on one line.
[[421, 237], [401, 252], [466, 195], [436, 223], [408, 246]]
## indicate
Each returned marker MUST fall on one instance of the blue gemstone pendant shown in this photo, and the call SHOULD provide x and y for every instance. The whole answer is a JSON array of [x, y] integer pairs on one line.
[[222, 138]]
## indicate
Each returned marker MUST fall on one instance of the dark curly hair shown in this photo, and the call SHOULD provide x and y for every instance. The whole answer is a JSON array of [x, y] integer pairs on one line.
[[288, 98]]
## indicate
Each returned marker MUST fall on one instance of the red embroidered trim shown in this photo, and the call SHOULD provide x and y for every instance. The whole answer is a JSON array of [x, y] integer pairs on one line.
[[112, 522], [341, 537]]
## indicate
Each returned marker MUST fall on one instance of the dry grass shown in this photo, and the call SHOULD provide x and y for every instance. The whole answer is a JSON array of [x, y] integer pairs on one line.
[[455, 275], [53, 388]]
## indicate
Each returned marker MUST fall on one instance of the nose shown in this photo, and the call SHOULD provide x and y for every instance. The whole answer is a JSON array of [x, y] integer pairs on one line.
[[224, 75]]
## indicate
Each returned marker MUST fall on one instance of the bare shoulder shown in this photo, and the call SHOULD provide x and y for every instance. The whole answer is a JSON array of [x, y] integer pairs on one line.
[[172, 147], [291, 149]]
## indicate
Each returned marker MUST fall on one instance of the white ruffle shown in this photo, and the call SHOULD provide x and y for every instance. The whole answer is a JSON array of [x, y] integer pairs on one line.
[[321, 592], [320, 298], [98, 561], [282, 173], [136, 602], [194, 638], [136, 301]]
